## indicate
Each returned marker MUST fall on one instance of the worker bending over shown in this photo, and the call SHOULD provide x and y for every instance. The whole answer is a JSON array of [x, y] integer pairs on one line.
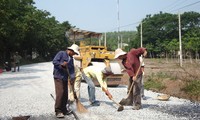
[[92, 72]]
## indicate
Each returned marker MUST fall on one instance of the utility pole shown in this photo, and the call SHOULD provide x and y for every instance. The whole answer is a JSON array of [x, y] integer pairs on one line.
[[180, 44], [100, 37], [121, 41], [105, 40], [118, 24], [141, 34]]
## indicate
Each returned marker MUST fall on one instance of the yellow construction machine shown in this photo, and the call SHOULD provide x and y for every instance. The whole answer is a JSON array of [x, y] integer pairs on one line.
[[98, 55]]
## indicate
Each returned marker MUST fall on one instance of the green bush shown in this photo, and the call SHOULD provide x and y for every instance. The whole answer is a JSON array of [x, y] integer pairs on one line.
[[192, 87]]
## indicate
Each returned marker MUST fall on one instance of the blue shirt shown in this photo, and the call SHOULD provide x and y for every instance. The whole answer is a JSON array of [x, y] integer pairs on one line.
[[58, 71]]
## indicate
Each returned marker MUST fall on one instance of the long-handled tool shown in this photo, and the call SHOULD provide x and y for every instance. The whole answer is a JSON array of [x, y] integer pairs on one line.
[[76, 117], [79, 106], [121, 107], [124, 100]]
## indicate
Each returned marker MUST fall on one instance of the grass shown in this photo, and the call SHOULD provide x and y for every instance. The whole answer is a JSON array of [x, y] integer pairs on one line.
[[163, 76], [154, 82], [153, 85], [192, 88]]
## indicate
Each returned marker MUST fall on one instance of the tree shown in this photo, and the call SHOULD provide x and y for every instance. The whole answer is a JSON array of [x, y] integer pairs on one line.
[[27, 30], [160, 32], [11, 26]]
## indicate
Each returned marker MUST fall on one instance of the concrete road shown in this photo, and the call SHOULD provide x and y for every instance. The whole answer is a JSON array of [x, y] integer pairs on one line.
[[27, 93]]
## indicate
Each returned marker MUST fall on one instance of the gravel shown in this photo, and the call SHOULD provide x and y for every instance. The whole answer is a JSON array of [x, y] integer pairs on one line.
[[27, 93]]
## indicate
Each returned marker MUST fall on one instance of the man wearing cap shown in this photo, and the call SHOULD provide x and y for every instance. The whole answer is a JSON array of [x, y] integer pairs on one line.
[[132, 64], [91, 72], [63, 61]]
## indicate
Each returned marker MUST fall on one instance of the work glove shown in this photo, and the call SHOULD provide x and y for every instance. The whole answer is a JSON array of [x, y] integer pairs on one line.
[[108, 94]]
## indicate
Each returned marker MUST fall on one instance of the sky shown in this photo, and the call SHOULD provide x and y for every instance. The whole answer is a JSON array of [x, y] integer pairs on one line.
[[108, 15]]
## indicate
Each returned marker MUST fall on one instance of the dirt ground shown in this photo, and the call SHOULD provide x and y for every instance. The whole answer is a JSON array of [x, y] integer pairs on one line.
[[174, 78]]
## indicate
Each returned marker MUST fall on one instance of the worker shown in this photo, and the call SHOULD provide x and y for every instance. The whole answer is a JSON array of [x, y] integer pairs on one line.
[[132, 64], [142, 82], [7, 66], [16, 61], [91, 72], [63, 67], [77, 84]]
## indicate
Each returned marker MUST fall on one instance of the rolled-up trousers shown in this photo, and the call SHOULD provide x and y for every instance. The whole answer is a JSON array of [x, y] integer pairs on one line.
[[135, 95]]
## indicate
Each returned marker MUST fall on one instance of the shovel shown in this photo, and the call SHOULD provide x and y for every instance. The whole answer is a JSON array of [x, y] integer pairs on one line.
[[126, 101], [121, 107]]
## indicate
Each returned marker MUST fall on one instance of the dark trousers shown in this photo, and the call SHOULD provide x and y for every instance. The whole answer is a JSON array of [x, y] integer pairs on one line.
[[61, 89], [135, 95], [16, 65]]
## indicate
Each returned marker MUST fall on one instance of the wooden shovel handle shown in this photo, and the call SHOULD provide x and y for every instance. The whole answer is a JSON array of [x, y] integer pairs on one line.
[[129, 91], [73, 90], [112, 98], [116, 103], [70, 85]]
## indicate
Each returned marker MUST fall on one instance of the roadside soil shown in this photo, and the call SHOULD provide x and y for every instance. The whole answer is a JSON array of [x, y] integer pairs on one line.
[[172, 76]]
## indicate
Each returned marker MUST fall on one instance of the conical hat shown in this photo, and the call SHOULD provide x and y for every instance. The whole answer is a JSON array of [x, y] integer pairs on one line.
[[75, 48], [119, 52]]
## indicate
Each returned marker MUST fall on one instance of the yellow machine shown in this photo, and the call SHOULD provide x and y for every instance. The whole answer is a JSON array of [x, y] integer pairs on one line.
[[97, 55]]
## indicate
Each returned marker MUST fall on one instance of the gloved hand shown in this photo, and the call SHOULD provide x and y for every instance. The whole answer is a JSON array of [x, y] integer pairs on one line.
[[108, 94]]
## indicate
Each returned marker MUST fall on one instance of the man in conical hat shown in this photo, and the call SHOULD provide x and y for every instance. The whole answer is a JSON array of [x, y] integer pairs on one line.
[[132, 64], [62, 61]]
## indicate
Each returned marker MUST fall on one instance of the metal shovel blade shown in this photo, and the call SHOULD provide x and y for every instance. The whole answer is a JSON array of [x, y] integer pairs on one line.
[[121, 108]]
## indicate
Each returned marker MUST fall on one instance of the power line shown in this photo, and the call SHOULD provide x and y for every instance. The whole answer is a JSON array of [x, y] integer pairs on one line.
[[175, 3], [172, 4], [129, 24], [186, 6], [178, 4], [125, 25]]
